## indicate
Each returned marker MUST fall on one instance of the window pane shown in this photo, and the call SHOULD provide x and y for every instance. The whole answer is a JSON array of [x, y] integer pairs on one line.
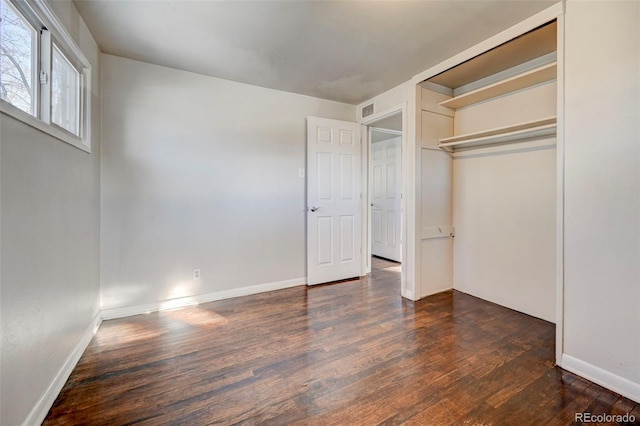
[[17, 52], [65, 93]]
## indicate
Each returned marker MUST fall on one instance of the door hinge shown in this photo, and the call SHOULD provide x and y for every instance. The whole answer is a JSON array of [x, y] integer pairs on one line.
[[44, 77]]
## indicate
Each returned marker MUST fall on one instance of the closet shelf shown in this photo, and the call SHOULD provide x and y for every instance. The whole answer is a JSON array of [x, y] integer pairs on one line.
[[521, 81], [518, 132]]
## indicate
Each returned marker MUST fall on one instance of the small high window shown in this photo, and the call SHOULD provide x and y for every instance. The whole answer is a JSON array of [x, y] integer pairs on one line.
[[44, 77]]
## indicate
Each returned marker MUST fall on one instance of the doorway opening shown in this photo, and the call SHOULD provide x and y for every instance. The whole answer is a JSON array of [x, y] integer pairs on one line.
[[384, 207]]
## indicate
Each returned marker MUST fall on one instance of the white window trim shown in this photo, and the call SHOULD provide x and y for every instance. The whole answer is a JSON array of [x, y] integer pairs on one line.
[[67, 45]]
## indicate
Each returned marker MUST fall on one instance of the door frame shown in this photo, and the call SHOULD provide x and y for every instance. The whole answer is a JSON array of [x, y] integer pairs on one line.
[[366, 124]]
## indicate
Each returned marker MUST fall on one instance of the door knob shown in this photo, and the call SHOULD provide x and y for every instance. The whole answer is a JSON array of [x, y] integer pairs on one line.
[[314, 209]]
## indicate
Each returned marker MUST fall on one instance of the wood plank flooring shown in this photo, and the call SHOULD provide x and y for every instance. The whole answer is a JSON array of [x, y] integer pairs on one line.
[[347, 353]]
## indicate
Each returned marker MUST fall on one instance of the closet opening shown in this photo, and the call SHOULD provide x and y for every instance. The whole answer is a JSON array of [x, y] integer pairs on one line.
[[488, 170]]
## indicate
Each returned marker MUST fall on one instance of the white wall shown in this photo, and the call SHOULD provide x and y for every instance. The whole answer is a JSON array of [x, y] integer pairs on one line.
[[524, 105], [389, 99], [200, 172], [602, 193], [50, 250]]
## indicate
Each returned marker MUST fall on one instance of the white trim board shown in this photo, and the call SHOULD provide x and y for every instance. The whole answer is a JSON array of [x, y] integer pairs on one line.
[[560, 166], [387, 131], [607, 379], [126, 311], [547, 15], [442, 290], [46, 400]]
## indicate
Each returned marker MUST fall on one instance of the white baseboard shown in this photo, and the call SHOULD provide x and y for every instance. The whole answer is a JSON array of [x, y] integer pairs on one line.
[[607, 379], [434, 292], [44, 404], [126, 311], [408, 294]]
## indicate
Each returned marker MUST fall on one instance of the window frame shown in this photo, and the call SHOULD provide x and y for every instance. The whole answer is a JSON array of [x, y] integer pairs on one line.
[[50, 32]]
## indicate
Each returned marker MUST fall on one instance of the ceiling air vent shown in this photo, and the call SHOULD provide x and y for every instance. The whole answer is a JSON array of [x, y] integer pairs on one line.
[[367, 110]]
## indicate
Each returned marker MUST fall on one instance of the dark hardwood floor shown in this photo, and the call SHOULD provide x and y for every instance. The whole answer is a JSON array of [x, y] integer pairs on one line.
[[347, 353]]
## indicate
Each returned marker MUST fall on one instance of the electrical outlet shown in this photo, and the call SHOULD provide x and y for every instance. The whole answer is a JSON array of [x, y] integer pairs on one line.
[[196, 274], [301, 173]]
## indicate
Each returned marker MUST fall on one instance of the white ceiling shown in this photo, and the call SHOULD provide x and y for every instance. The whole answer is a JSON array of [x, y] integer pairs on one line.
[[348, 51]]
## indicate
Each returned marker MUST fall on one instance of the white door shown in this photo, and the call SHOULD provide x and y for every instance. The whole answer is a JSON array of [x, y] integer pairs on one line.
[[386, 181], [334, 204]]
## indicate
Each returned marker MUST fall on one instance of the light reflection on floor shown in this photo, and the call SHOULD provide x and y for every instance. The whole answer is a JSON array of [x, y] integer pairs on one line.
[[125, 331], [196, 316], [382, 264], [394, 268]]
